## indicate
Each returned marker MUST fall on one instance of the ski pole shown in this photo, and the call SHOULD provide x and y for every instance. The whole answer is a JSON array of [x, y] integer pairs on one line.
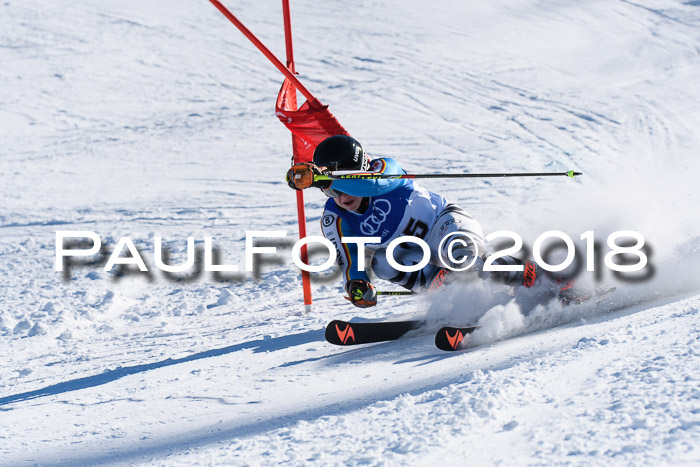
[[370, 176]]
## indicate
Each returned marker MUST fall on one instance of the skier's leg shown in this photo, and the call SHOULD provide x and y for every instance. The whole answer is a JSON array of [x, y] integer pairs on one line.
[[455, 238], [530, 275], [406, 257]]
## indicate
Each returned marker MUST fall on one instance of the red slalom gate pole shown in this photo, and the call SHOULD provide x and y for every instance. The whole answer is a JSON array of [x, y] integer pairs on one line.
[[313, 102], [304, 253], [288, 35], [301, 214]]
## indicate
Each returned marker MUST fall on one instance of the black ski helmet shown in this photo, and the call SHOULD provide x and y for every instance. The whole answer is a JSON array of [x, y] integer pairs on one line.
[[341, 152]]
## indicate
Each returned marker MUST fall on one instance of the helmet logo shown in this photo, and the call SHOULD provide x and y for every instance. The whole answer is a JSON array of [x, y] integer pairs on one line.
[[380, 210]]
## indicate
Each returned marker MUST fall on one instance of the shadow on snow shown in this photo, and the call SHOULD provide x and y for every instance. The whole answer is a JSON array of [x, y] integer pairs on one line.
[[258, 345]]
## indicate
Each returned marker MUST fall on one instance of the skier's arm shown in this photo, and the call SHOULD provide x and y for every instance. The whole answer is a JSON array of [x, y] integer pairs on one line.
[[334, 229], [361, 292]]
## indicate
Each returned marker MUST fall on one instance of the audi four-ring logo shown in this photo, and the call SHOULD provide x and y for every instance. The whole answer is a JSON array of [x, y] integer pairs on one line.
[[380, 210]]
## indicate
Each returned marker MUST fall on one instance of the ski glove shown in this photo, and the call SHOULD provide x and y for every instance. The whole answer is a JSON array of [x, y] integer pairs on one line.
[[301, 176], [361, 293]]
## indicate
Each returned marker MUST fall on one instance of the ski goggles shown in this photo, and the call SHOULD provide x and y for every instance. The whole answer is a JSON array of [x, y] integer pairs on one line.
[[331, 193]]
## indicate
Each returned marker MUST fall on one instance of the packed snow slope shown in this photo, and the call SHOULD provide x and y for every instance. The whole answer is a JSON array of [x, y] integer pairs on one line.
[[142, 119]]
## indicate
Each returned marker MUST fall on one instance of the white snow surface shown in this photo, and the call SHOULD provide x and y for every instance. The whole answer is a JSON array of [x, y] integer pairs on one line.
[[156, 118]]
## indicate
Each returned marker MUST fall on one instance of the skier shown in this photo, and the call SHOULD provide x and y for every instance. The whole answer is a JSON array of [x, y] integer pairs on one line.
[[391, 208]]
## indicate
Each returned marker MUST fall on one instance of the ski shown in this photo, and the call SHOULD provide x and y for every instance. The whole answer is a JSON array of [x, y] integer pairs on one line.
[[451, 338], [345, 333]]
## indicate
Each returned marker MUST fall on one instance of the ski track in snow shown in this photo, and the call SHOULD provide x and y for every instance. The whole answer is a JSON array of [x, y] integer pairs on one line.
[[147, 119]]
